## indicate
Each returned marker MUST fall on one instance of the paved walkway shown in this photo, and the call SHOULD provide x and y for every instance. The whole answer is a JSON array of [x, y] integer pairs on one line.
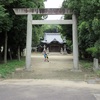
[[30, 89]]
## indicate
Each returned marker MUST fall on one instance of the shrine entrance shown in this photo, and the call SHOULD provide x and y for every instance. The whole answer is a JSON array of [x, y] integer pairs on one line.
[[50, 11], [54, 48]]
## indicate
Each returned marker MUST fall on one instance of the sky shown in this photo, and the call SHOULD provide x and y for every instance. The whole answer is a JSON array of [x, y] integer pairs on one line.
[[53, 4]]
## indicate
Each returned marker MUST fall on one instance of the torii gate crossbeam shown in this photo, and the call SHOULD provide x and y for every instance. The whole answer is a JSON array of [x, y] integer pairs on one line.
[[36, 22]]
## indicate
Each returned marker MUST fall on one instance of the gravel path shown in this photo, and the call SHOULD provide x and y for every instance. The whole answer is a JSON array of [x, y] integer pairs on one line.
[[59, 67], [51, 80]]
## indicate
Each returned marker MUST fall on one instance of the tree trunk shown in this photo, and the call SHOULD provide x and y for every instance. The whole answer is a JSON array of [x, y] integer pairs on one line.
[[5, 48], [10, 55], [19, 53]]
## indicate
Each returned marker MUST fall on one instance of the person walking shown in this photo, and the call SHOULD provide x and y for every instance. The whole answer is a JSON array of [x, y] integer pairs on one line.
[[46, 58]]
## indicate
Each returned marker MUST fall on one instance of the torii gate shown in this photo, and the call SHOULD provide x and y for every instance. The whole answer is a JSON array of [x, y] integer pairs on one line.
[[49, 11]]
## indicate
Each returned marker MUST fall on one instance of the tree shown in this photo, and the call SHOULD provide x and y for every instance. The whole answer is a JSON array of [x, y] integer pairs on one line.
[[14, 26], [52, 28], [86, 12], [5, 26]]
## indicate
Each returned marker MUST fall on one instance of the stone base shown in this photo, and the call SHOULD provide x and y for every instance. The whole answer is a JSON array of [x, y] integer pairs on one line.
[[28, 69], [95, 69]]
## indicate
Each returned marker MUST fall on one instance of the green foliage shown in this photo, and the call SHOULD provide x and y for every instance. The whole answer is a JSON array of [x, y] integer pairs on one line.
[[88, 16], [16, 26], [2, 12], [83, 26], [10, 67], [86, 65], [94, 51], [69, 44], [5, 22], [96, 29], [35, 37], [96, 25], [98, 73], [52, 28]]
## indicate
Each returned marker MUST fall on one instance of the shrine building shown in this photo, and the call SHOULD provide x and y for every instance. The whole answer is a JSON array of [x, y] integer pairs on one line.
[[53, 42]]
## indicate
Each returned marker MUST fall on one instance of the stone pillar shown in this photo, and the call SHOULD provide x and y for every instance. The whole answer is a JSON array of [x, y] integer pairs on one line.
[[28, 41], [48, 50], [75, 44], [61, 51], [44, 48], [95, 64], [65, 52]]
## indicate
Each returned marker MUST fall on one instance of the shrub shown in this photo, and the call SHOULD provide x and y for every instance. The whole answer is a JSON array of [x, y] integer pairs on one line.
[[94, 51]]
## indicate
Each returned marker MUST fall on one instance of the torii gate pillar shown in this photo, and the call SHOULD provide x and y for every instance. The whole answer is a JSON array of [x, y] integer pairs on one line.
[[28, 41], [75, 44]]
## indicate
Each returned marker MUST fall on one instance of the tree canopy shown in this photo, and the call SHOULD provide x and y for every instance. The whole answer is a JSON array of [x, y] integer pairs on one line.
[[88, 16], [13, 27]]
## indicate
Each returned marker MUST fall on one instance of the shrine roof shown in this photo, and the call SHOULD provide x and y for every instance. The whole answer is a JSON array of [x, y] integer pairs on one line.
[[50, 37]]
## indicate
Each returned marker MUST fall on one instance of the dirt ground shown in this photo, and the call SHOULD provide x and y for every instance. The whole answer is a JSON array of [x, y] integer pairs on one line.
[[53, 80], [59, 67]]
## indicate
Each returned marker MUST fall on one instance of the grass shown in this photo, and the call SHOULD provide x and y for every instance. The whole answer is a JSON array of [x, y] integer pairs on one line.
[[86, 65], [10, 67], [98, 73]]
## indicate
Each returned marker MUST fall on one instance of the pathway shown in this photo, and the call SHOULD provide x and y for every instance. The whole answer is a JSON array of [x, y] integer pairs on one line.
[[59, 67], [30, 89], [49, 81]]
